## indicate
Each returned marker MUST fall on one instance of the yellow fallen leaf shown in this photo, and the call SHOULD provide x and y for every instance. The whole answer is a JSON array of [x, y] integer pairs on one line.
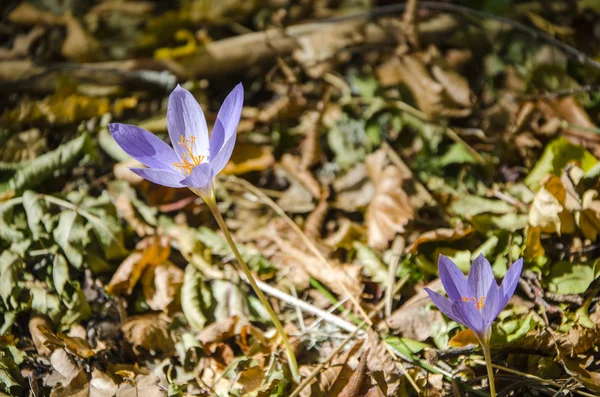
[[463, 338], [248, 157], [152, 250]]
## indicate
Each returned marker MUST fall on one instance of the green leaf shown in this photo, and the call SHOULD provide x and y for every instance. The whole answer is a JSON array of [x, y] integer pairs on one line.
[[572, 278], [8, 231], [60, 273], [11, 381], [406, 346], [511, 329], [373, 265], [47, 304], [469, 206], [37, 214], [47, 165], [12, 291], [71, 236], [457, 154], [196, 299], [556, 156]]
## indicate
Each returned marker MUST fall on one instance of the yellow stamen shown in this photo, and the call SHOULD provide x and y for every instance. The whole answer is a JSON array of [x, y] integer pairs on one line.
[[479, 304], [187, 166]]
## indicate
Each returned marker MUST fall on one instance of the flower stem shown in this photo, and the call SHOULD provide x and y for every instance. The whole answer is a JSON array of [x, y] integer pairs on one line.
[[487, 354], [212, 204]]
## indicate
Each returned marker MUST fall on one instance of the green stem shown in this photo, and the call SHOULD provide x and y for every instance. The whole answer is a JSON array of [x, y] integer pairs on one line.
[[487, 354], [212, 204]]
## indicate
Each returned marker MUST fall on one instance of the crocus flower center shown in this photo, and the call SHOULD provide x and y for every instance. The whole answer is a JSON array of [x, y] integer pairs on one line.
[[187, 166], [478, 302]]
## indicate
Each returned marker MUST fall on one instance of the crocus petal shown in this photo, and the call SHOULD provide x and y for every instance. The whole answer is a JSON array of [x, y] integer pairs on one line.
[[455, 282], [200, 178], [143, 146], [493, 305], [219, 161], [227, 122], [163, 177], [468, 315], [186, 119], [511, 280], [480, 277], [442, 303]]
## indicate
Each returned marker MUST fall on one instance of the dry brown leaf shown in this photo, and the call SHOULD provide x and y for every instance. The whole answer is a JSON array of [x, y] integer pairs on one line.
[[28, 15], [142, 385], [310, 148], [439, 93], [302, 264], [74, 345], [79, 45], [152, 250], [38, 337], [375, 391], [23, 146], [150, 332], [64, 364], [314, 220], [21, 44], [78, 386], [102, 385], [440, 235], [354, 190], [358, 381], [248, 157], [125, 209], [381, 365], [162, 285], [545, 213], [218, 332], [411, 319], [390, 209], [134, 8], [292, 165]]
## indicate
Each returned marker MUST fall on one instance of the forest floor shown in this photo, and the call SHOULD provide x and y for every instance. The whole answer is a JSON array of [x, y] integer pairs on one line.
[[373, 138]]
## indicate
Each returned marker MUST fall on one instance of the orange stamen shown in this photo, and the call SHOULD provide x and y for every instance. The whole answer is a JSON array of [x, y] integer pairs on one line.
[[188, 166], [479, 304]]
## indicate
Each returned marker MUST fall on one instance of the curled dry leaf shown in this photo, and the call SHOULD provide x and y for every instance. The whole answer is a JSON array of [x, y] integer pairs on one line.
[[292, 165], [390, 210], [218, 332], [381, 365], [162, 286], [80, 45], [150, 332], [28, 15], [73, 344], [152, 250], [357, 382], [142, 385], [440, 235], [548, 213], [439, 92], [38, 337]]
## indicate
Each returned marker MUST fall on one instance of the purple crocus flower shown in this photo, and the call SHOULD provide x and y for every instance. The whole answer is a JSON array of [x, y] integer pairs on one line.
[[475, 301], [194, 160]]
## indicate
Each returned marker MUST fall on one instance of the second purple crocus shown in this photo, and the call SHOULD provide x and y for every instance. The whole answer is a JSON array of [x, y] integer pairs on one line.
[[475, 301]]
